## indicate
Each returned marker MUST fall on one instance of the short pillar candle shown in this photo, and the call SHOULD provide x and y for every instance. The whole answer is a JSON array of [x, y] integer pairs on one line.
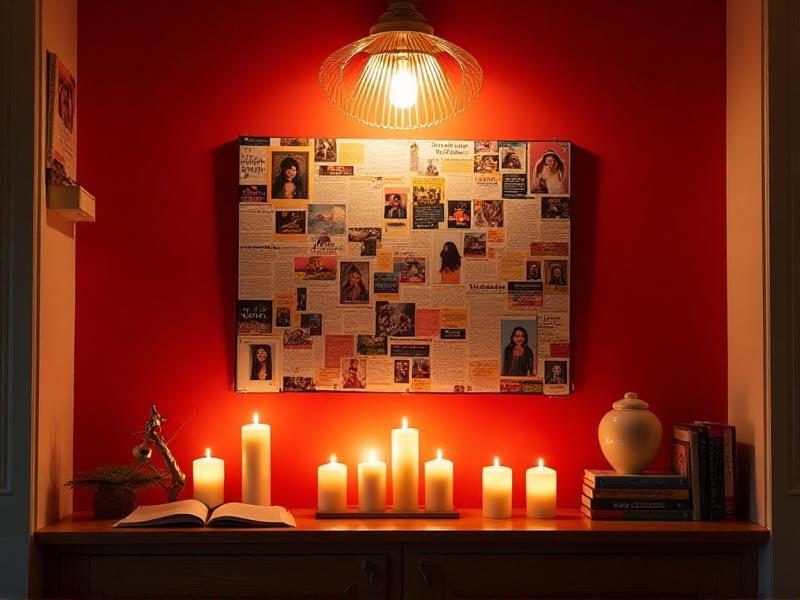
[[208, 480], [256, 471], [439, 484], [497, 491], [405, 468], [332, 487], [540, 491], [372, 485]]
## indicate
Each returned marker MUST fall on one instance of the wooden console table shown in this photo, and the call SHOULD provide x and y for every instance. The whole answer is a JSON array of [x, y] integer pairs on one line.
[[472, 557]]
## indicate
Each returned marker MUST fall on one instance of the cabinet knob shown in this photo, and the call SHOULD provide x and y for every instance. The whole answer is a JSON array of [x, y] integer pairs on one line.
[[424, 568], [368, 568]]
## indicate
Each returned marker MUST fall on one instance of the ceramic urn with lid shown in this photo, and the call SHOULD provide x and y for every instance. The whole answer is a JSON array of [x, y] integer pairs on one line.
[[630, 435]]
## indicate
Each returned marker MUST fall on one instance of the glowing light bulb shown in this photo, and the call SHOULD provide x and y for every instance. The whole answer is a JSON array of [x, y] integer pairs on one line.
[[255, 418], [403, 87], [439, 454], [208, 452], [496, 461]]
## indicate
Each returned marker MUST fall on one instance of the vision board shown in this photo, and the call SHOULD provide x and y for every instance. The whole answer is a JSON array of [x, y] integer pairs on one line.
[[401, 265]]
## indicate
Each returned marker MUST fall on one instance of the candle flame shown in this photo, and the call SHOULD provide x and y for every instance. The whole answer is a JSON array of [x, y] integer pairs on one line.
[[333, 458], [496, 461], [405, 423], [439, 453], [372, 457], [541, 464], [208, 452], [255, 418]]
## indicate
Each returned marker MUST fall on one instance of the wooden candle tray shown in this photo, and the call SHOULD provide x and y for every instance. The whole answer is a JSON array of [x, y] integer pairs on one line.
[[388, 514]]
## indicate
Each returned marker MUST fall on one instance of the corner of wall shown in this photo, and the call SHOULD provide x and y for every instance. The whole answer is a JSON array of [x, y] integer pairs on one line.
[[746, 278], [56, 307]]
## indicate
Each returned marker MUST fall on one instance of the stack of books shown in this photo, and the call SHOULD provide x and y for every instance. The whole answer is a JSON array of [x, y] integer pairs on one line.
[[663, 496], [705, 453]]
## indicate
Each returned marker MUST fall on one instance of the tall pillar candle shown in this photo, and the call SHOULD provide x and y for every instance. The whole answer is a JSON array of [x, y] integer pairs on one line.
[[540, 491], [208, 480], [256, 471], [332, 487], [439, 484], [405, 468], [372, 485], [497, 491]]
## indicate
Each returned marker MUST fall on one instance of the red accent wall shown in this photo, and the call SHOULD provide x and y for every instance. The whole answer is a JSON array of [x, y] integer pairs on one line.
[[165, 88]]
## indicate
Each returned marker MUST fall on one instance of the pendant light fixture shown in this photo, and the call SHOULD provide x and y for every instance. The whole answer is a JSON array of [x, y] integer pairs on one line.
[[401, 76]]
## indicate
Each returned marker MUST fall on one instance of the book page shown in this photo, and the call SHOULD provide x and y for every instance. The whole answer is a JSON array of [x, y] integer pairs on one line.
[[172, 513], [251, 514]]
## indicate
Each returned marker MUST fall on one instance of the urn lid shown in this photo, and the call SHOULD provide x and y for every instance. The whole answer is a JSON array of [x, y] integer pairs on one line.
[[631, 402]]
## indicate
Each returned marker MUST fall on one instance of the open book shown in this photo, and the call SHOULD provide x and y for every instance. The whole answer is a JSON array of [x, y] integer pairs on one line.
[[194, 512]]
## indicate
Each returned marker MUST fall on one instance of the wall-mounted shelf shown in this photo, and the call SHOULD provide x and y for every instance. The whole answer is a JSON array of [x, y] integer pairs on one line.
[[72, 202]]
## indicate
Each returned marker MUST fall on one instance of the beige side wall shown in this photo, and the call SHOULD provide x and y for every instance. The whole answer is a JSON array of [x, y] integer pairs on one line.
[[56, 307], [745, 247]]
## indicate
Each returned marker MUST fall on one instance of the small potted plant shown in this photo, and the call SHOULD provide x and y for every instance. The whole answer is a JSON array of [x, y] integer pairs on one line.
[[116, 487]]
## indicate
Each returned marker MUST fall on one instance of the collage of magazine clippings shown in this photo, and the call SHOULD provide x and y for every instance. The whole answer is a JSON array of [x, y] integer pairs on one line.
[[400, 265]]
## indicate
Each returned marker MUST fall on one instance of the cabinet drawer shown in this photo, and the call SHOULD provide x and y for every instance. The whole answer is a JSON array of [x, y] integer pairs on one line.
[[579, 575], [231, 576]]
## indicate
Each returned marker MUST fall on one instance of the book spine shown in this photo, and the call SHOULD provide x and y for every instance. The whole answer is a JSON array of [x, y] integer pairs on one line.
[[52, 62], [635, 494], [730, 473], [649, 482], [722, 484], [705, 473], [616, 504], [716, 471], [686, 462], [637, 515]]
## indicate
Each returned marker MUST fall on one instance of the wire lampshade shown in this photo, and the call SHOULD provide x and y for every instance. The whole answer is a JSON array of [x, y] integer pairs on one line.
[[401, 76]]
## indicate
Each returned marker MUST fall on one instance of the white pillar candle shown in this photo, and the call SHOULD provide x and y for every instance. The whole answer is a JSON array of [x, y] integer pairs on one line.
[[208, 480], [405, 468], [496, 491], [332, 486], [256, 472], [372, 485], [540, 491], [439, 484]]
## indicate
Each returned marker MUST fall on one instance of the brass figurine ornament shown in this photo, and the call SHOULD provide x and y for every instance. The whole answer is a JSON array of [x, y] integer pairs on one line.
[[143, 453]]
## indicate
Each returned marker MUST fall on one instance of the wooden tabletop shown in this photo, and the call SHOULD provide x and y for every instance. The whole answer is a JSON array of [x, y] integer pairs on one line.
[[570, 526]]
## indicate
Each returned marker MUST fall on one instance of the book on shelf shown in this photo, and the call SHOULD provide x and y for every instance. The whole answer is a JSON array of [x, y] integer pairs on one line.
[[603, 479], [62, 129], [689, 455], [642, 494], [637, 515], [635, 504], [725, 435], [194, 512], [716, 470]]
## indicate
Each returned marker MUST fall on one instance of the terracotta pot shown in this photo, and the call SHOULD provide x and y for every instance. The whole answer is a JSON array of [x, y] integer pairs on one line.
[[113, 502], [630, 435]]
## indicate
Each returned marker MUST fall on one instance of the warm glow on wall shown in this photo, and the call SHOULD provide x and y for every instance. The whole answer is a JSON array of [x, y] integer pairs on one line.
[[401, 76]]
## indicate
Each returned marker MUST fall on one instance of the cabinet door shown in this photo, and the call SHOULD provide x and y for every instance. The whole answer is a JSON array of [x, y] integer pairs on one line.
[[247, 576], [502, 575]]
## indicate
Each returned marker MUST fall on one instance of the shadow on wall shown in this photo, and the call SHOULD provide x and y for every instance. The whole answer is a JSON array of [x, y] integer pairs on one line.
[[584, 196], [226, 167]]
